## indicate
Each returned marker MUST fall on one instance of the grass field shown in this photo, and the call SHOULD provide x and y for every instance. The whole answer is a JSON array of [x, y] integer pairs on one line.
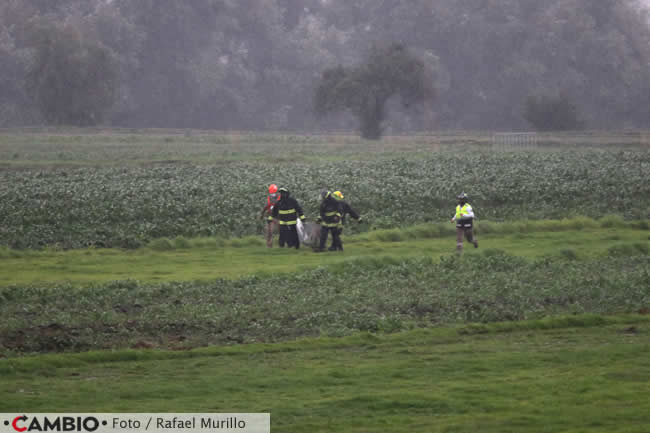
[[544, 328], [576, 374]]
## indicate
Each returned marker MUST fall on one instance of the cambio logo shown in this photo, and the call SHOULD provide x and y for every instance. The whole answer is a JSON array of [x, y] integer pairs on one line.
[[60, 423]]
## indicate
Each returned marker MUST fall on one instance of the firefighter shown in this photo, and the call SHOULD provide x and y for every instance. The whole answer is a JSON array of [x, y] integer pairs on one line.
[[344, 209], [271, 224], [329, 220], [287, 210], [464, 219]]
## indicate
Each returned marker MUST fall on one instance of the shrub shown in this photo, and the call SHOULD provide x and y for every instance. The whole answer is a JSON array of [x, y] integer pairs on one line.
[[609, 221], [161, 244], [569, 253], [388, 236], [635, 249]]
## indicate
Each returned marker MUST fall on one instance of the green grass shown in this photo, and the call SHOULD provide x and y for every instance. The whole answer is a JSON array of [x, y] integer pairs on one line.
[[569, 374], [532, 332], [380, 294], [206, 259]]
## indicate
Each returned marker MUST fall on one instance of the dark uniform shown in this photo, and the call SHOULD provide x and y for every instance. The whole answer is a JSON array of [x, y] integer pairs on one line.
[[330, 217], [286, 211], [344, 209]]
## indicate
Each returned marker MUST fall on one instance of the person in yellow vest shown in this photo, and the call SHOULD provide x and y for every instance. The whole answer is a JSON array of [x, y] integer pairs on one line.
[[464, 219]]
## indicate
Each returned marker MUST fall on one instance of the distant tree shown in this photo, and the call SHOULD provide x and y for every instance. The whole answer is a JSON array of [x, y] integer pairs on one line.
[[552, 113], [364, 90], [72, 78]]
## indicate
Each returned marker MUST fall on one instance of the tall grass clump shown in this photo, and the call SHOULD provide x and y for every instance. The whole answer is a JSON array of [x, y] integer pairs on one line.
[[420, 231], [635, 249], [569, 253], [581, 222], [182, 243], [612, 221], [428, 231], [392, 235], [8, 253], [161, 244], [208, 242], [248, 241], [486, 227]]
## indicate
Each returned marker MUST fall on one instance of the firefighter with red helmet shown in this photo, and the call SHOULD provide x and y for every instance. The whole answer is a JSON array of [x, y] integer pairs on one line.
[[271, 224]]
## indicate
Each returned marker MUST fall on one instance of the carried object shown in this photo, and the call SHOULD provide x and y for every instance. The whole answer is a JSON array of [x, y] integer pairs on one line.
[[308, 233]]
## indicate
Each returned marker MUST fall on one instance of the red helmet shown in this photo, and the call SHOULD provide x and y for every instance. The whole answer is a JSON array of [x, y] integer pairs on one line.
[[273, 188]]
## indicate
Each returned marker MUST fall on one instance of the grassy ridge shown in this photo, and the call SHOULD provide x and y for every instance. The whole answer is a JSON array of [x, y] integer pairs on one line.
[[386, 294], [205, 259], [386, 281], [578, 373], [437, 335]]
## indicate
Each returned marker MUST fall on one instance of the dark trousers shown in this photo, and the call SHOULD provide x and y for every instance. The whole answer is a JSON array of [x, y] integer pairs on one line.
[[289, 235], [339, 245], [468, 233], [336, 241]]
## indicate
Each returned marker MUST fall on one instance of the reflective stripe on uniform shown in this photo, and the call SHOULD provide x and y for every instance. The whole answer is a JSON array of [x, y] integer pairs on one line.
[[332, 214], [287, 223], [286, 212]]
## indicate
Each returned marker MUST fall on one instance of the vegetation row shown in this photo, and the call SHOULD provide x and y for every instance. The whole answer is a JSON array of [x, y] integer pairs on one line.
[[130, 206], [364, 294]]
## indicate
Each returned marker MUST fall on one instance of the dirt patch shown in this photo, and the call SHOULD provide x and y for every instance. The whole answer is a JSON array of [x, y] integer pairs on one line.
[[143, 345], [43, 338]]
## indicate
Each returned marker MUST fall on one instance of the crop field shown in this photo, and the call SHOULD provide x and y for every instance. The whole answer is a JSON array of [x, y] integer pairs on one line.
[[65, 192], [134, 276]]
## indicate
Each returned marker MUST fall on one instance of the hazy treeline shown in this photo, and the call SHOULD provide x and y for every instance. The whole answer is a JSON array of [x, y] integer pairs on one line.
[[254, 64]]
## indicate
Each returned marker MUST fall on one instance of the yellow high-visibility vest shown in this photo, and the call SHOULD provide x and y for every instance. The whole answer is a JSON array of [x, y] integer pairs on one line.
[[460, 210]]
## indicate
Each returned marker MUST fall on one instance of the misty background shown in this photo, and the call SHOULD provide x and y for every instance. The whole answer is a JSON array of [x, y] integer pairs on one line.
[[255, 64]]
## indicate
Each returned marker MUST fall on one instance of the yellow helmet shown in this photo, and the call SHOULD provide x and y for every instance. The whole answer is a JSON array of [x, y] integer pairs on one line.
[[338, 195]]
